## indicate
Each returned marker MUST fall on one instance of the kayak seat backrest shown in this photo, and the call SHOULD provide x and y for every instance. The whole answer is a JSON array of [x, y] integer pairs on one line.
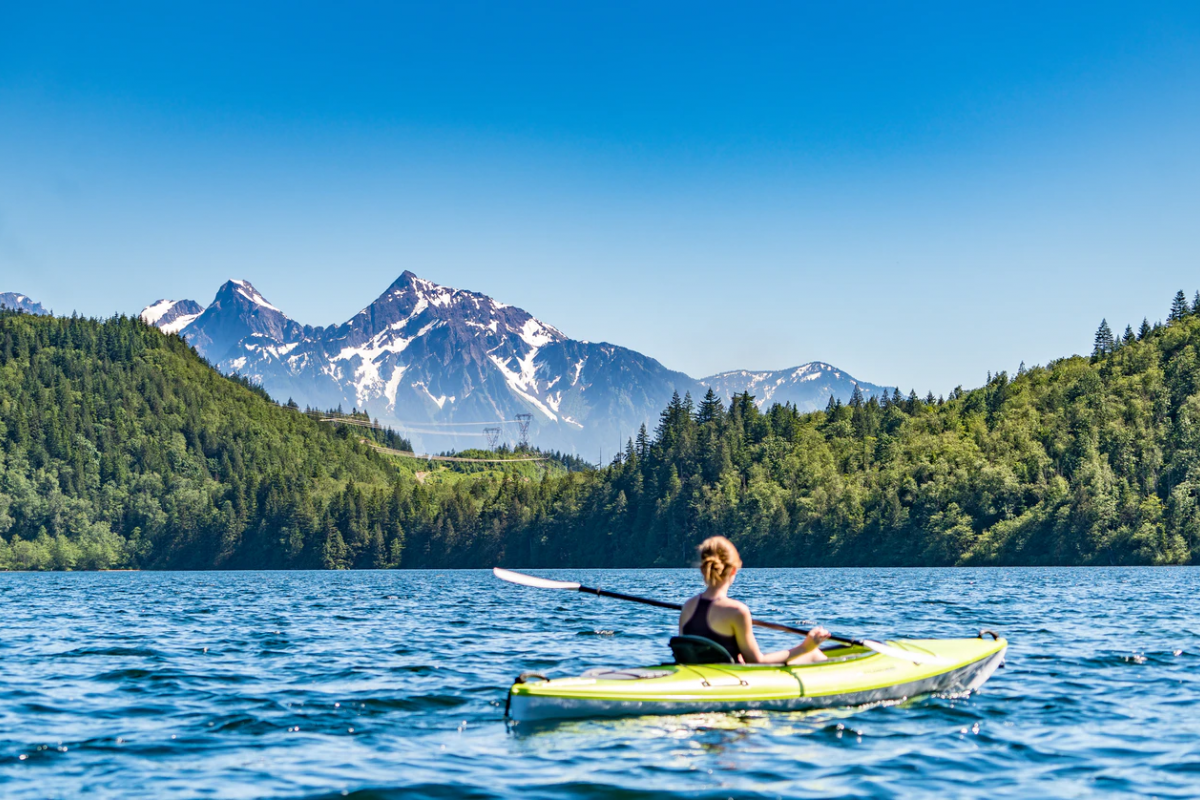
[[698, 650]]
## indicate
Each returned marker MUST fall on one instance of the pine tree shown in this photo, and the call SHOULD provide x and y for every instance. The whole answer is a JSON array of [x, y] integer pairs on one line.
[[1104, 340], [1179, 307], [1129, 335], [856, 399], [1144, 331], [643, 441], [710, 408], [1196, 303]]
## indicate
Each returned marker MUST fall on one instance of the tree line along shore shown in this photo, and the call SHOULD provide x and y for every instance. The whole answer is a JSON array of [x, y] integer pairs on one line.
[[120, 448]]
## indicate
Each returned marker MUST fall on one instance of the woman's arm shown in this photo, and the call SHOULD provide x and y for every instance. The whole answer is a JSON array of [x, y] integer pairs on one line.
[[804, 653]]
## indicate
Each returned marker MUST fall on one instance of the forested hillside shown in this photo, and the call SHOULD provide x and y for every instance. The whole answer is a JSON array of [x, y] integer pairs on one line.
[[120, 447], [1084, 461]]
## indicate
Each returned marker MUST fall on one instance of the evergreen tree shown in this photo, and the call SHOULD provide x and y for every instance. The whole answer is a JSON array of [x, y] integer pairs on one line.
[[1129, 335], [710, 409], [1179, 307], [1196, 303], [643, 441], [1144, 330], [856, 399], [1104, 340]]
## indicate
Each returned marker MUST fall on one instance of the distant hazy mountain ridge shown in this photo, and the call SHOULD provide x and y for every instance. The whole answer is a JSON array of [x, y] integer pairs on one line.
[[442, 363], [807, 387], [15, 301]]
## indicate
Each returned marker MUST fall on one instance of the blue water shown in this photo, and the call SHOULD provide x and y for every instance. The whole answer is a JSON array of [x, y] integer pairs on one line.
[[392, 684]]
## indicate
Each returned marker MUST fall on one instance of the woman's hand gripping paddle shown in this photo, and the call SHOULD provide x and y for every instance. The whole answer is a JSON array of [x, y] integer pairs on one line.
[[878, 647]]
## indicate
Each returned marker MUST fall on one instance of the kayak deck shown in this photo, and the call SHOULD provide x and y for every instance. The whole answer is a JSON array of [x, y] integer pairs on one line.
[[851, 676]]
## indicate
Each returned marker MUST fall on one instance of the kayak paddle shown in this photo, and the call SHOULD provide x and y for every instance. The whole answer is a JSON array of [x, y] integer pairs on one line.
[[544, 583]]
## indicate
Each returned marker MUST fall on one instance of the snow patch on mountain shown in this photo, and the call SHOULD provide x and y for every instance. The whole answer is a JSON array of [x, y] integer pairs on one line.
[[171, 316], [250, 293], [537, 335], [523, 381], [393, 385], [179, 323], [152, 313]]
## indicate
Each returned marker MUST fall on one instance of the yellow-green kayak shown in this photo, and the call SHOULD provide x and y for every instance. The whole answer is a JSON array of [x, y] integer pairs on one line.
[[851, 676]]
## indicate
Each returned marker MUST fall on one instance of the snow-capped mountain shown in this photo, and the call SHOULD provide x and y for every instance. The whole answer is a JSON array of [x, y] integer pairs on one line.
[[172, 316], [236, 314], [15, 301], [807, 387], [441, 364]]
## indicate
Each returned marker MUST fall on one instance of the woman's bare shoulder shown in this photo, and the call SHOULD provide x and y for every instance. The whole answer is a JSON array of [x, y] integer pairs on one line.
[[733, 608]]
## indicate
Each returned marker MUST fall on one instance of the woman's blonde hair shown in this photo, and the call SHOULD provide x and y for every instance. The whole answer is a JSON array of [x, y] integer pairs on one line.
[[718, 558]]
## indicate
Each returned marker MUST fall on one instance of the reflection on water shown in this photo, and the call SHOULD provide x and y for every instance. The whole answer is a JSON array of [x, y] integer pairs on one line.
[[388, 685]]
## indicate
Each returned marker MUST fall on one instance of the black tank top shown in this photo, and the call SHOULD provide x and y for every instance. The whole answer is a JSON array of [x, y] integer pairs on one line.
[[697, 625]]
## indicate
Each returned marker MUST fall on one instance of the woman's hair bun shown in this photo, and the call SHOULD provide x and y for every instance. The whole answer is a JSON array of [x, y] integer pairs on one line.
[[718, 558]]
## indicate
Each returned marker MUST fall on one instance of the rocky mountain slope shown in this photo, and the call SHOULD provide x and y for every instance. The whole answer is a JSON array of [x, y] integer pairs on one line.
[[443, 364]]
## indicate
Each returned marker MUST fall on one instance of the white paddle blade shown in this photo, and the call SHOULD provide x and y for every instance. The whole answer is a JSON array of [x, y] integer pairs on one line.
[[529, 580], [905, 655]]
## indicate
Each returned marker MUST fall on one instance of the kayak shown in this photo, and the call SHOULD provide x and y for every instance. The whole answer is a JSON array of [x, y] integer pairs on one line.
[[853, 675]]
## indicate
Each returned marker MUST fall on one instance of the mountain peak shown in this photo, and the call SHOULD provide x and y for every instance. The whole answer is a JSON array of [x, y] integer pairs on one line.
[[411, 297], [239, 290]]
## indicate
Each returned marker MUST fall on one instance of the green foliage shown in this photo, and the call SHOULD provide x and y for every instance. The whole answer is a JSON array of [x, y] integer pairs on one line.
[[1086, 461], [119, 447]]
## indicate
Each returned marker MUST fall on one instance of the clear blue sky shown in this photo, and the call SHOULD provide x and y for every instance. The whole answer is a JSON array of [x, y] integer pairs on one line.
[[916, 192]]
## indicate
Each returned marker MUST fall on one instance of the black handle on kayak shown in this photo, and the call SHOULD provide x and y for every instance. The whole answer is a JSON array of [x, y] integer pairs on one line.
[[775, 626]]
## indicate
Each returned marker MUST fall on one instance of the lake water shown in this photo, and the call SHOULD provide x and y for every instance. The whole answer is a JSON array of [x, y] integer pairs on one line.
[[392, 685]]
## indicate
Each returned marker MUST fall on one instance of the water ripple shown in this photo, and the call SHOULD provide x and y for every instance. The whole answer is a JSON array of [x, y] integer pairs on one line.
[[392, 685]]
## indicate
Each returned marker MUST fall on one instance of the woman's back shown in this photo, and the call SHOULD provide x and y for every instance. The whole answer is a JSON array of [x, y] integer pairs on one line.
[[713, 615], [711, 618]]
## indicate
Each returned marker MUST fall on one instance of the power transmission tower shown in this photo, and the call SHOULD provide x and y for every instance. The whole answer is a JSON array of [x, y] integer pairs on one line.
[[523, 421], [493, 437]]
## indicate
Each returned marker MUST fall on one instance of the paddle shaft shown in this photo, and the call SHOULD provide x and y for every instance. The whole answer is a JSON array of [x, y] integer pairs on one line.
[[646, 601]]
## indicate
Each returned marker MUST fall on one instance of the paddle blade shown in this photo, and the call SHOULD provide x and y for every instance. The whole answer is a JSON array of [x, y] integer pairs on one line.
[[901, 653], [529, 580]]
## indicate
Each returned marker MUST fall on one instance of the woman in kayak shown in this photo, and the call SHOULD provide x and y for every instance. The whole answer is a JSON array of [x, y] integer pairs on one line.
[[714, 616]]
